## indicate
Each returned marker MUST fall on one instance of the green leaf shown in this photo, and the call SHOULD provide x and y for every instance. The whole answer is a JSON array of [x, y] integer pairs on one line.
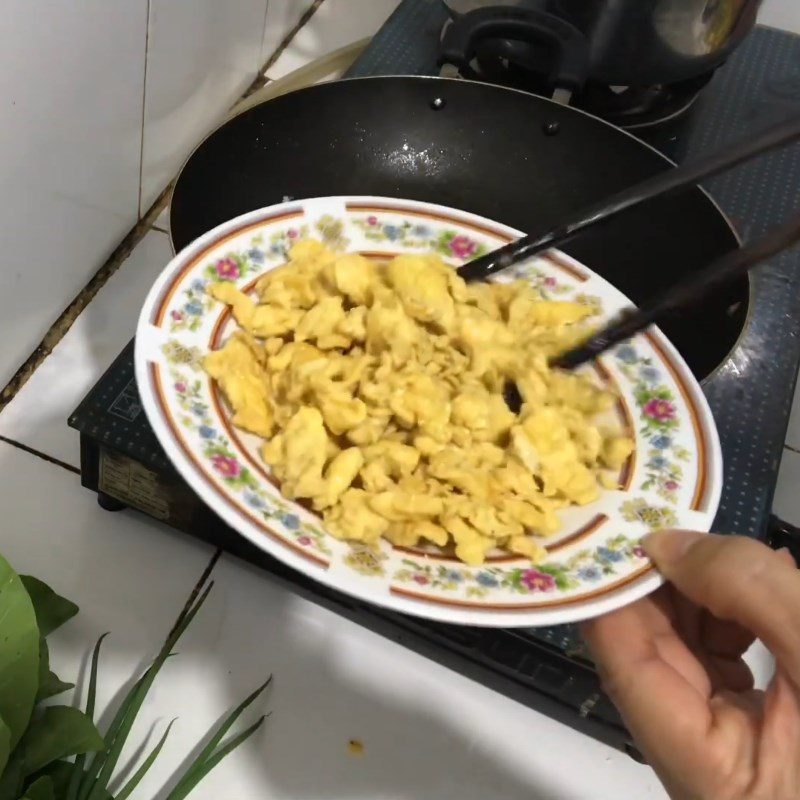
[[197, 772], [41, 789], [5, 745], [51, 687], [49, 683], [19, 653], [78, 773], [126, 715], [59, 772], [125, 791], [96, 763], [226, 724], [12, 777], [58, 732], [52, 610]]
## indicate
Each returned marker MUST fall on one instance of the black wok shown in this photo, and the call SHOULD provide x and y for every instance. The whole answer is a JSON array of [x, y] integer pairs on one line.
[[508, 155]]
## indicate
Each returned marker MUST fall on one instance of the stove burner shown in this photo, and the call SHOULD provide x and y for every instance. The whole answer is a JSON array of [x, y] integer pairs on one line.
[[524, 66]]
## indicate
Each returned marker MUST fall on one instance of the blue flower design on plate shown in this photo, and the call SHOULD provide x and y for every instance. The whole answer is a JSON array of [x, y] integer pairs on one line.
[[658, 462], [486, 579], [198, 409], [194, 308], [198, 285], [590, 573], [454, 575], [253, 500], [650, 374], [291, 521], [256, 255], [391, 232], [422, 231], [627, 355], [207, 432], [277, 250], [661, 442], [607, 554]]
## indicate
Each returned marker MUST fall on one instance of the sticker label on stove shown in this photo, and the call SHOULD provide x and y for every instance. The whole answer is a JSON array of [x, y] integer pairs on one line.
[[127, 404], [133, 484]]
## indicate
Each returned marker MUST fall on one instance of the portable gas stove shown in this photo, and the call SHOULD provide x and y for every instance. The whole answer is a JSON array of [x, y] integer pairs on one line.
[[750, 393]]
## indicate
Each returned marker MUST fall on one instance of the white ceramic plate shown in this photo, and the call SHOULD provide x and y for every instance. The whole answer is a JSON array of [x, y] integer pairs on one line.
[[594, 565]]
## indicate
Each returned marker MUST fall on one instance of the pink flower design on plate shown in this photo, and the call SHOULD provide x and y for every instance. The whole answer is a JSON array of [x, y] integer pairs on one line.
[[422, 580], [227, 269], [180, 387], [536, 581], [661, 410], [671, 486], [550, 281], [292, 233], [304, 540], [176, 315], [639, 551], [372, 220], [463, 246], [226, 466]]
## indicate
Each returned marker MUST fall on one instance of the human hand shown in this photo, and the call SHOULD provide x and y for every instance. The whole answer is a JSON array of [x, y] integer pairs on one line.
[[672, 664]]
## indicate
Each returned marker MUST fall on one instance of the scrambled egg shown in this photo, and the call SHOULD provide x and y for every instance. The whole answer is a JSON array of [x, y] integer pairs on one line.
[[378, 390]]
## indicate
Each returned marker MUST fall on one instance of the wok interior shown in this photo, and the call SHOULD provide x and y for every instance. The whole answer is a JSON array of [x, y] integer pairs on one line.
[[482, 149]]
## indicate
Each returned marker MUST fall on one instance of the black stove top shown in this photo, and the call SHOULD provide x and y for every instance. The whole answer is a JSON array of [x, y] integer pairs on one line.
[[750, 393]]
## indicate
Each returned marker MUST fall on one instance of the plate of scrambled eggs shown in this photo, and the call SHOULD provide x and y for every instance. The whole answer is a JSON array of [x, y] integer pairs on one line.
[[329, 386]]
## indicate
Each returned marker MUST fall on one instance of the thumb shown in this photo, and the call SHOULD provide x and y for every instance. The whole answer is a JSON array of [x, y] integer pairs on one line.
[[738, 580]]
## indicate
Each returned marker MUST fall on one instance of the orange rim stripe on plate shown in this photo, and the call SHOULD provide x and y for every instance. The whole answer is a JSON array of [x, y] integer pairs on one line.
[[162, 303], [568, 601], [156, 378], [699, 498]]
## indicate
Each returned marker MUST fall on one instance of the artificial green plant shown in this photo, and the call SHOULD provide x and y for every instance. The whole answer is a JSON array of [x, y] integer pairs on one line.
[[38, 738]]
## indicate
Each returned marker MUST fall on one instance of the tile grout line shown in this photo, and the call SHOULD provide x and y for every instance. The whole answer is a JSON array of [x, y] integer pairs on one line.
[[287, 40], [39, 454], [67, 317], [144, 108], [264, 30], [201, 583], [60, 327]]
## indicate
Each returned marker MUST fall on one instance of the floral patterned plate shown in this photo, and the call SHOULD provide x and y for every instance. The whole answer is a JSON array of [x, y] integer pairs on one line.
[[594, 565]]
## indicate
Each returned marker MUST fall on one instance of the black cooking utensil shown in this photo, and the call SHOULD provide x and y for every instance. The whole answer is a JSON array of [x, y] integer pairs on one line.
[[685, 293], [663, 183]]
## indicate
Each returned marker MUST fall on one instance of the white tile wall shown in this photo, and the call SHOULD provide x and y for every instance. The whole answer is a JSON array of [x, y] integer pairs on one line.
[[37, 416], [282, 16], [781, 14], [201, 55], [71, 79], [335, 24]]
